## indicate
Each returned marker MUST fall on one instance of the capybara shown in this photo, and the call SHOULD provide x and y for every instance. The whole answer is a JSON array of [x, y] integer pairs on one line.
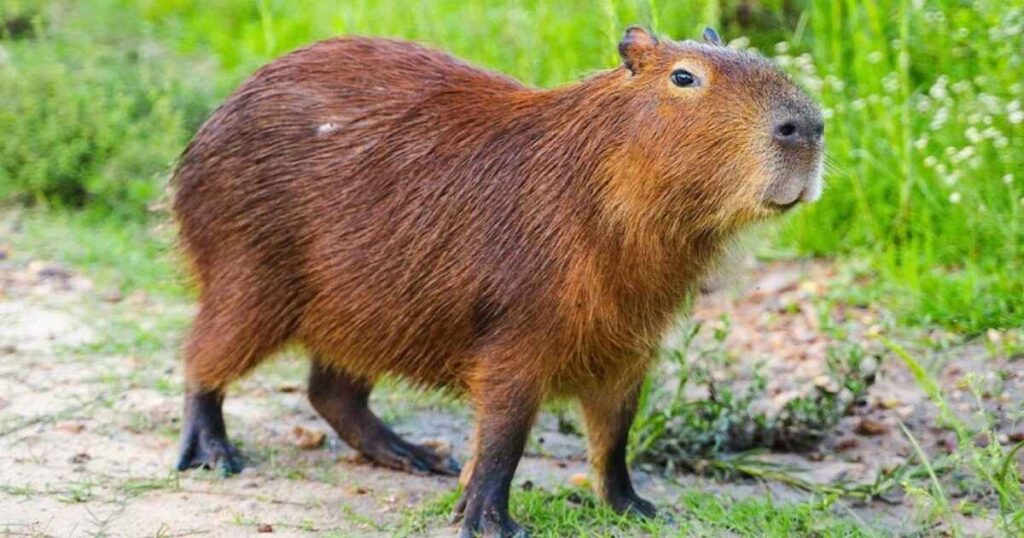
[[395, 211]]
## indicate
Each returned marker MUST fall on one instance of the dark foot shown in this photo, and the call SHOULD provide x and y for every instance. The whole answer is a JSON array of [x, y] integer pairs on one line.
[[389, 450], [634, 505], [342, 401], [204, 442], [485, 519]]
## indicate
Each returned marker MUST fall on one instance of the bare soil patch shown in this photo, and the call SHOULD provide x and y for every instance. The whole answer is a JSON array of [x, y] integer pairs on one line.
[[89, 413]]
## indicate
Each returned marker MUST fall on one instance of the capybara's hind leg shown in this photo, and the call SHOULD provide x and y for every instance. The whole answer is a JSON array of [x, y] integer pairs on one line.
[[608, 419], [204, 441], [220, 349], [342, 400]]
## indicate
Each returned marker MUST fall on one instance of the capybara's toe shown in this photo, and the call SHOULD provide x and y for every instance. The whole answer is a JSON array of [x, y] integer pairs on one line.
[[635, 505], [490, 523], [210, 454], [399, 454]]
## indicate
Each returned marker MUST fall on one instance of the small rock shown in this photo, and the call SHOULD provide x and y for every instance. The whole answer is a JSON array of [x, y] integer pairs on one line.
[[947, 444], [527, 485], [826, 383], [1016, 437], [264, 528], [306, 438], [868, 426], [69, 426], [80, 458], [45, 270]]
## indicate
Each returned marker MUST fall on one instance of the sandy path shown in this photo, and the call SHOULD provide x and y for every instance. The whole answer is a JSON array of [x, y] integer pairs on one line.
[[89, 411]]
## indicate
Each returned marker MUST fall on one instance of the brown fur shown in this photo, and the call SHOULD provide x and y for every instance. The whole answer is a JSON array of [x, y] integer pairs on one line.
[[397, 211]]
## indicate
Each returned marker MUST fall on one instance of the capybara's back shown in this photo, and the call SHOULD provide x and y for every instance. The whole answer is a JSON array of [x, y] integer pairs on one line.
[[396, 211], [311, 206]]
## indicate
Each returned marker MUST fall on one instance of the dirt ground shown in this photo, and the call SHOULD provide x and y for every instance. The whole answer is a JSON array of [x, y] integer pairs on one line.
[[90, 405]]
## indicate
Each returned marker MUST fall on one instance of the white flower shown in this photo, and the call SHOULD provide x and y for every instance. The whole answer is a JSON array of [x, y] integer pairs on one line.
[[930, 161], [782, 47], [875, 57], [1016, 117], [954, 197], [921, 143], [1008, 179]]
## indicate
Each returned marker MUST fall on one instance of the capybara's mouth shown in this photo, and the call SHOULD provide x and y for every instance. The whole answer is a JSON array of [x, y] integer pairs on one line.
[[782, 208]]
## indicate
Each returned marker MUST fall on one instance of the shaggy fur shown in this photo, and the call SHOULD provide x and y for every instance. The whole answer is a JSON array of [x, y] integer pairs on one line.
[[396, 211]]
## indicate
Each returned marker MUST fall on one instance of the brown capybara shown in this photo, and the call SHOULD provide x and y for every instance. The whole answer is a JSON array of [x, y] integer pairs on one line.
[[395, 211]]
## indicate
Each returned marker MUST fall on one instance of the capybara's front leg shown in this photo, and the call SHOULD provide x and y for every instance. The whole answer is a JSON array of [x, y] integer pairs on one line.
[[342, 400], [505, 412], [609, 417], [204, 440]]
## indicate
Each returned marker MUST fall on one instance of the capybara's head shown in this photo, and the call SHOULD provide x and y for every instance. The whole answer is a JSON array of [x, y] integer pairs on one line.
[[718, 130]]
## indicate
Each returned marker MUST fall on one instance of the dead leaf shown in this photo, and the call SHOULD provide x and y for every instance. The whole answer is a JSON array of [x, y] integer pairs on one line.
[[69, 426], [579, 480], [306, 438], [889, 403], [846, 443], [357, 490], [264, 528], [439, 446], [868, 426]]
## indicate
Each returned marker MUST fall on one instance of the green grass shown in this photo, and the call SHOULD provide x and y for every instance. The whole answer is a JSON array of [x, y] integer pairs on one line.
[[576, 512], [127, 254]]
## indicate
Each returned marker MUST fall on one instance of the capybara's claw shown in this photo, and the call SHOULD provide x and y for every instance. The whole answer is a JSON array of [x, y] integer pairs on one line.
[[489, 522], [635, 505], [202, 452], [404, 456]]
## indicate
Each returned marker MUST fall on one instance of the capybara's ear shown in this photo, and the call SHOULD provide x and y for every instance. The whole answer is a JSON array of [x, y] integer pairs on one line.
[[711, 37], [636, 46]]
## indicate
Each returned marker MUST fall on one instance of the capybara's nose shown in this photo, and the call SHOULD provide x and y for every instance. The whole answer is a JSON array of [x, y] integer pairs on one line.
[[797, 130]]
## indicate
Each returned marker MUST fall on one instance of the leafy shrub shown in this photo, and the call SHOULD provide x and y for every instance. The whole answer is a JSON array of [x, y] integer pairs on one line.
[[92, 123], [683, 432]]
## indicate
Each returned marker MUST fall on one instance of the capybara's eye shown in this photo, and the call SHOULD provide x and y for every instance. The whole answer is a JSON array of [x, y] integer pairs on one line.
[[683, 78]]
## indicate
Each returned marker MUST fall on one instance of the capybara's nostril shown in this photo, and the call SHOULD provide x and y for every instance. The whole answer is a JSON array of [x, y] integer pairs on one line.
[[799, 131], [786, 132]]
